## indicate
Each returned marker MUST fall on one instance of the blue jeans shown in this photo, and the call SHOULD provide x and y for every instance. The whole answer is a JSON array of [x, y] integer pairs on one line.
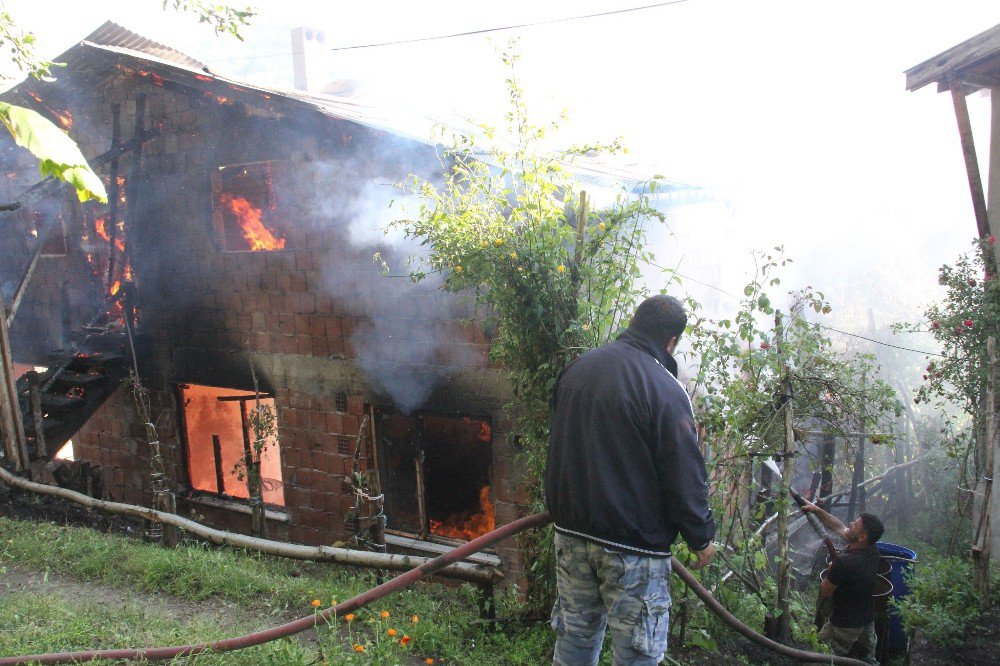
[[600, 588]]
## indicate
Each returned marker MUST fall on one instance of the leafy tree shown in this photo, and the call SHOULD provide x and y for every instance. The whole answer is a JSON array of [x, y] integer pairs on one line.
[[751, 369], [510, 226], [962, 323]]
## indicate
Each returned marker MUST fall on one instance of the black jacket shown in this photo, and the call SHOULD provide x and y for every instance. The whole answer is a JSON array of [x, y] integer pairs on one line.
[[624, 467]]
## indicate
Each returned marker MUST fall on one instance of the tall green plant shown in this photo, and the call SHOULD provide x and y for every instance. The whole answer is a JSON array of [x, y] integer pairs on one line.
[[510, 226], [755, 365]]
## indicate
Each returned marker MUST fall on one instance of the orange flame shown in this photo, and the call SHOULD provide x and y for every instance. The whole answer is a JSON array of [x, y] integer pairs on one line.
[[120, 244], [465, 526], [64, 118], [99, 228], [258, 236], [115, 287]]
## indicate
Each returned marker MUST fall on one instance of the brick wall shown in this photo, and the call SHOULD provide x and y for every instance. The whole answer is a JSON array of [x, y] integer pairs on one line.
[[314, 318]]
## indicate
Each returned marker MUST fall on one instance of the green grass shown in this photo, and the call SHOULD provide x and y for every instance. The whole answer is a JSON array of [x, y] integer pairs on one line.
[[447, 628], [32, 624]]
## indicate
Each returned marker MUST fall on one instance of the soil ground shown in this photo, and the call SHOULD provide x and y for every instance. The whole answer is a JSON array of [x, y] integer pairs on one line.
[[980, 647]]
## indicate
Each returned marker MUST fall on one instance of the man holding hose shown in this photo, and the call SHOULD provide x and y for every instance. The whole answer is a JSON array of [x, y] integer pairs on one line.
[[625, 476], [850, 581]]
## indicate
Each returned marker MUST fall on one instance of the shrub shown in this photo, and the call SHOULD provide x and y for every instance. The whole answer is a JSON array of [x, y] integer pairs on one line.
[[942, 602]]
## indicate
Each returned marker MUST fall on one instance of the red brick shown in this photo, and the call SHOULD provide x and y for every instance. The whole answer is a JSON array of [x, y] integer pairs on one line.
[[324, 303], [303, 261], [320, 346], [355, 405], [303, 345], [317, 325]]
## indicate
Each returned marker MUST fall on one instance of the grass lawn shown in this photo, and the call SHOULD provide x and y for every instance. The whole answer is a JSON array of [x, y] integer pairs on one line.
[[254, 592]]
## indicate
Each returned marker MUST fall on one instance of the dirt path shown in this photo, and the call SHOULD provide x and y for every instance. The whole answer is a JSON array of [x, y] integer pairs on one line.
[[228, 616]]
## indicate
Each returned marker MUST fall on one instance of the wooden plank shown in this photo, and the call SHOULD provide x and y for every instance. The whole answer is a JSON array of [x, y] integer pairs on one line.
[[971, 163], [984, 45]]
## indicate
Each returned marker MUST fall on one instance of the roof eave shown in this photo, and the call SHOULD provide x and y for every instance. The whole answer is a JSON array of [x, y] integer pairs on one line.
[[962, 62]]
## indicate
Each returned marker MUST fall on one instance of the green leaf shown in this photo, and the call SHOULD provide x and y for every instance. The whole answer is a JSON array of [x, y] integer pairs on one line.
[[60, 157]]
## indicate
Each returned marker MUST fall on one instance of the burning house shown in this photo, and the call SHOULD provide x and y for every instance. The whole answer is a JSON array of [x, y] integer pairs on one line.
[[232, 258], [230, 270]]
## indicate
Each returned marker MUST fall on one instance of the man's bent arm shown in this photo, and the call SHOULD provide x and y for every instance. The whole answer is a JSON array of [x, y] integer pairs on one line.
[[831, 522]]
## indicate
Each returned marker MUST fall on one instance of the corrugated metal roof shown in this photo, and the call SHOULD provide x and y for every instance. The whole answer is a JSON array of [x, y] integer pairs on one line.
[[112, 34]]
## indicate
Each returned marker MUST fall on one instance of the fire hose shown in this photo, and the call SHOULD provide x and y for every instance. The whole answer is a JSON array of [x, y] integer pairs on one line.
[[397, 583]]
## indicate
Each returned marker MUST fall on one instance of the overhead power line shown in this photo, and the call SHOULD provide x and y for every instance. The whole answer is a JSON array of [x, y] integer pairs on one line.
[[507, 27], [467, 33]]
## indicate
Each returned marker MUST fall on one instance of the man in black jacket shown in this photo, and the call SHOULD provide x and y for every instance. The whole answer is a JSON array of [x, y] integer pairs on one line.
[[625, 476]]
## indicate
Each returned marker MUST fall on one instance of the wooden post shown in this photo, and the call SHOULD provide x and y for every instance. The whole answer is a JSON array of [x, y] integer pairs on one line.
[[982, 543], [581, 223], [35, 395], [857, 490], [220, 477], [827, 457], [113, 193], [11, 425], [784, 624], [972, 167]]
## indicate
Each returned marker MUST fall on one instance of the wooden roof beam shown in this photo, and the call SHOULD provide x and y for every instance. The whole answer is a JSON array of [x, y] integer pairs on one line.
[[970, 52]]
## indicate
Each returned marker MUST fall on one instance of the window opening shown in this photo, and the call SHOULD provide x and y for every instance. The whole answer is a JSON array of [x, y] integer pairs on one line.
[[435, 473], [217, 436], [245, 210]]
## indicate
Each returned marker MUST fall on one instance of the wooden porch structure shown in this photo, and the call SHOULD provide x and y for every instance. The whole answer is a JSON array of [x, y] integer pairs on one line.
[[961, 70]]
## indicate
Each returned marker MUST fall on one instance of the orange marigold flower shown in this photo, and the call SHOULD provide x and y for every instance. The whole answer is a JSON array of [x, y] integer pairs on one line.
[[316, 602], [416, 618], [428, 660], [358, 647], [561, 268], [391, 632], [385, 614], [349, 617], [405, 640]]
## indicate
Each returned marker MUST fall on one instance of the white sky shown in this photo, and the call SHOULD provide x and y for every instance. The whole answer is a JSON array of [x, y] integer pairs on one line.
[[795, 112]]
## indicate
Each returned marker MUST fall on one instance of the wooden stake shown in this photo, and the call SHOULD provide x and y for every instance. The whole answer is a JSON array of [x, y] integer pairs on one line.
[[982, 544], [11, 425], [35, 395], [220, 477]]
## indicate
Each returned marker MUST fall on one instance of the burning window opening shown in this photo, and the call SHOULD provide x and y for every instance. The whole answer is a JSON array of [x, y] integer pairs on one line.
[[245, 211], [216, 434], [435, 473]]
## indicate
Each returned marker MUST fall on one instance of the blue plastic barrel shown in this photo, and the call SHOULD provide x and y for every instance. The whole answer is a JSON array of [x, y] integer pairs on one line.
[[901, 561]]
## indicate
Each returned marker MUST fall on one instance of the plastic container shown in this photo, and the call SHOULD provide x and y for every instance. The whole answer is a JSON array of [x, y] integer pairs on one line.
[[901, 561]]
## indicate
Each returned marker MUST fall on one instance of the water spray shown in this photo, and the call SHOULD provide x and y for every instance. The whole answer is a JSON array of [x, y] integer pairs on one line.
[[810, 517]]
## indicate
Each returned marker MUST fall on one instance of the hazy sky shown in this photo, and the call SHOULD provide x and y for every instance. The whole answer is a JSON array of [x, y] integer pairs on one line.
[[794, 113]]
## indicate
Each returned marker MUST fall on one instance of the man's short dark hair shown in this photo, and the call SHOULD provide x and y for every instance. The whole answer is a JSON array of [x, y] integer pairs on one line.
[[873, 526], [660, 317]]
